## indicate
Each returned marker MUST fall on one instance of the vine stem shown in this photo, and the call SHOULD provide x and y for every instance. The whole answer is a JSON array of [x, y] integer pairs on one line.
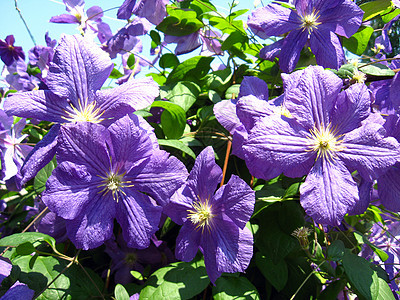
[[228, 151], [304, 282], [23, 20]]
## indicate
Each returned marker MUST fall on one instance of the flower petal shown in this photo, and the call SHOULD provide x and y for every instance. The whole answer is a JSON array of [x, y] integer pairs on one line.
[[329, 192], [327, 48], [253, 86], [291, 48], [389, 189], [79, 68], [64, 19], [138, 217], [188, 242]]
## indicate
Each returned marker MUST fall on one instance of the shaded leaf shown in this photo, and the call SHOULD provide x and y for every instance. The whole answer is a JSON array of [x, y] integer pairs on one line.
[[231, 287], [177, 145], [276, 273]]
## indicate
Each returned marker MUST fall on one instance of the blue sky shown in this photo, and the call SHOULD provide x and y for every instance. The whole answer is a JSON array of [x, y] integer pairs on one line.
[[37, 14]]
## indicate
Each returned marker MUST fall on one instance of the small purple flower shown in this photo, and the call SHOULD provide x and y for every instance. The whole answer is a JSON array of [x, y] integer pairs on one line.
[[10, 53], [107, 173], [316, 22], [327, 135], [17, 77], [153, 10], [213, 223], [78, 71]]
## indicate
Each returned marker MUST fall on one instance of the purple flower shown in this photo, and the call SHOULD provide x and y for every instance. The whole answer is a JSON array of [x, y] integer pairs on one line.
[[78, 71], [18, 290], [90, 23], [153, 10], [107, 173], [316, 22], [10, 53], [17, 77], [12, 152], [327, 135], [213, 223]]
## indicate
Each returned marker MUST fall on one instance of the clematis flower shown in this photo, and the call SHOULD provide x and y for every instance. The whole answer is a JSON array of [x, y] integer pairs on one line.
[[328, 135], [10, 53], [153, 10], [111, 173], [317, 22], [213, 223], [17, 77], [78, 71]]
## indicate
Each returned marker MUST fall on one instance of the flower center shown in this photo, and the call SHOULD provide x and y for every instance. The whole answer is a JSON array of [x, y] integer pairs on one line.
[[310, 21], [326, 142], [85, 113], [201, 214], [114, 183], [359, 77]]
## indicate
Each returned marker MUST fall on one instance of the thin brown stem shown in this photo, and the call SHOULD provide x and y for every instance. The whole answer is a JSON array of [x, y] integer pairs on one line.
[[228, 152]]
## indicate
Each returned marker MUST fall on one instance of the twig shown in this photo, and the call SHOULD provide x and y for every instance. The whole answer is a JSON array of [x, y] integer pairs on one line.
[[23, 20], [228, 151]]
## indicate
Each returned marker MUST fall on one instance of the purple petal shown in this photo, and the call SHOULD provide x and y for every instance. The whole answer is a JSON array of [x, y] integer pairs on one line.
[[269, 52], [125, 10], [352, 106], [94, 225], [79, 69], [237, 199], [181, 201], [366, 150], [64, 19], [313, 97], [41, 105], [393, 90], [153, 10], [18, 291], [85, 143], [187, 242], [275, 146], [273, 20], [41, 155], [250, 109], [329, 192], [70, 189], [5, 269], [327, 48], [389, 188], [365, 190], [138, 217], [225, 112], [291, 48], [94, 13], [253, 86], [133, 95]]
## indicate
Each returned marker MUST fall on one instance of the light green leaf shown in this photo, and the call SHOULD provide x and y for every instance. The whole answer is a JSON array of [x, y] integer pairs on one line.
[[173, 119], [385, 292], [376, 70], [40, 180], [374, 8], [177, 145], [120, 292], [227, 288], [358, 42], [193, 68], [180, 23], [184, 93], [27, 237]]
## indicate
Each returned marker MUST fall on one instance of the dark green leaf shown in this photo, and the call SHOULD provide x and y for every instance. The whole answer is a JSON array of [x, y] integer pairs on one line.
[[115, 74], [33, 70], [168, 60], [332, 290], [275, 272], [374, 8], [231, 287], [120, 292], [361, 276], [177, 145], [178, 280], [155, 37], [236, 37], [180, 23], [25, 248], [131, 61], [173, 119], [336, 250], [193, 68], [39, 183], [358, 42]]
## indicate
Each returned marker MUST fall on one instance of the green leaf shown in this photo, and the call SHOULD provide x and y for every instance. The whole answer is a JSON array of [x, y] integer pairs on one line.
[[40, 180], [33, 70], [374, 8], [25, 248], [361, 276], [180, 23], [232, 92], [236, 37], [226, 25], [184, 93], [358, 42], [168, 60], [213, 96], [155, 37], [336, 250], [231, 287], [115, 74], [173, 119], [376, 70], [201, 7], [131, 61], [361, 239], [137, 275], [385, 292], [177, 145], [180, 280], [387, 17], [193, 68], [218, 80], [120, 292], [159, 78], [27, 237], [275, 272]]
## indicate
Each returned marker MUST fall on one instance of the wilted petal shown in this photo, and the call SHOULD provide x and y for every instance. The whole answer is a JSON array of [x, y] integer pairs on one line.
[[187, 242], [275, 146], [70, 189], [327, 48], [138, 217], [273, 20], [366, 150], [94, 225], [79, 68], [41, 155], [329, 192]]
